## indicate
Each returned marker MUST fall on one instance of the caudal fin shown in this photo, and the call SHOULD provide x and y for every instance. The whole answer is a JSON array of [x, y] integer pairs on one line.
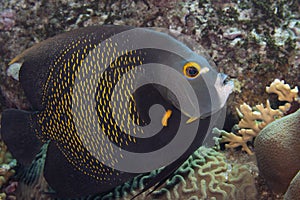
[[17, 133]]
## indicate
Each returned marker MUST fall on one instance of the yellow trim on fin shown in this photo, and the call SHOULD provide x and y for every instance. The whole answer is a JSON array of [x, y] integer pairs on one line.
[[19, 58], [15, 59], [191, 119]]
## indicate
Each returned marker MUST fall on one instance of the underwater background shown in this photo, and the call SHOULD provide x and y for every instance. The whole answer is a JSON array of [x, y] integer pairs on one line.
[[253, 42]]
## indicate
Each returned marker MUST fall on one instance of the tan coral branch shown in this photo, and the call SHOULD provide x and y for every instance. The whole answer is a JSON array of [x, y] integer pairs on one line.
[[284, 91], [253, 120], [234, 140], [249, 118], [267, 114]]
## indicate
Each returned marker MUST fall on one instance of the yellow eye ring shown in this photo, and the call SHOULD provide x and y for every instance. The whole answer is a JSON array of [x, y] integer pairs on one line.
[[191, 70]]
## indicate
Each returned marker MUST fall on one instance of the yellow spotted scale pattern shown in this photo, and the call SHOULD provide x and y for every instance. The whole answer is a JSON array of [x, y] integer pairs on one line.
[[57, 121]]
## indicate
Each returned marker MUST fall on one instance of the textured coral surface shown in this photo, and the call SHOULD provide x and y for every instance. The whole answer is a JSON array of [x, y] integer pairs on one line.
[[293, 191], [277, 149], [207, 174]]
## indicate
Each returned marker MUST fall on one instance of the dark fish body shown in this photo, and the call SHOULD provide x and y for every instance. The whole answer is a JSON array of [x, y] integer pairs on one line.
[[61, 76]]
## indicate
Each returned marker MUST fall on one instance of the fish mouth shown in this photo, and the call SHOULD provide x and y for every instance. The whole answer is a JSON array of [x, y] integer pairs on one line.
[[224, 88], [224, 79]]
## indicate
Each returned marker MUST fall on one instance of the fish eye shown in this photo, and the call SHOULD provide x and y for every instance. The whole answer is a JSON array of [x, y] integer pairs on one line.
[[191, 70]]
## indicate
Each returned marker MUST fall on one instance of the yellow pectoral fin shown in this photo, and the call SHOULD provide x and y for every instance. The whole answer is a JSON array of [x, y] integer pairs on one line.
[[165, 118]]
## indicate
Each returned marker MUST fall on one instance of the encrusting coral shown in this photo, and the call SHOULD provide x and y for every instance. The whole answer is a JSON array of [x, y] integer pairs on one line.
[[253, 120], [207, 174], [277, 149]]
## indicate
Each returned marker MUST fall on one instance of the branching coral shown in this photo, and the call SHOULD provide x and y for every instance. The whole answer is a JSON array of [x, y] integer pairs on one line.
[[253, 120], [284, 91], [233, 139]]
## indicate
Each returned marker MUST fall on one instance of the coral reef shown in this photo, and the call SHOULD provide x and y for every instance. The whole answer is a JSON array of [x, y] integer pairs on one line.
[[7, 164], [277, 149], [284, 92], [293, 191], [218, 179], [253, 120], [7, 19], [206, 174], [252, 38]]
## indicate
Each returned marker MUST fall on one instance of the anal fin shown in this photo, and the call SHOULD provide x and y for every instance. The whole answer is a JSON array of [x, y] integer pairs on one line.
[[19, 136], [64, 179]]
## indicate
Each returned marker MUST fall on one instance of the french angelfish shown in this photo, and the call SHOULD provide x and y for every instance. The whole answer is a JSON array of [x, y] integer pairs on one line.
[[92, 91]]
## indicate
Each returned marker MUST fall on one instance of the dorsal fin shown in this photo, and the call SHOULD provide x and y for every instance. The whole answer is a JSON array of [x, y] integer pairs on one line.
[[37, 61]]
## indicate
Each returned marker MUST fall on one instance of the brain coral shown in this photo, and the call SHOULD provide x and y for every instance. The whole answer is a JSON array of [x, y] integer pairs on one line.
[[208, 175], [293, 191], [277, 149], [205, 175]]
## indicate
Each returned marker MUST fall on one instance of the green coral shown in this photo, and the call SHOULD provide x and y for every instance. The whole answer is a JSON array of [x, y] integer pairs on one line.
[[208, 175], [205, 175]]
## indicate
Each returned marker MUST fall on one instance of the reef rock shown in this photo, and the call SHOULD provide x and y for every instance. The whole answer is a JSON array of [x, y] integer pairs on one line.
[[277, 149]]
